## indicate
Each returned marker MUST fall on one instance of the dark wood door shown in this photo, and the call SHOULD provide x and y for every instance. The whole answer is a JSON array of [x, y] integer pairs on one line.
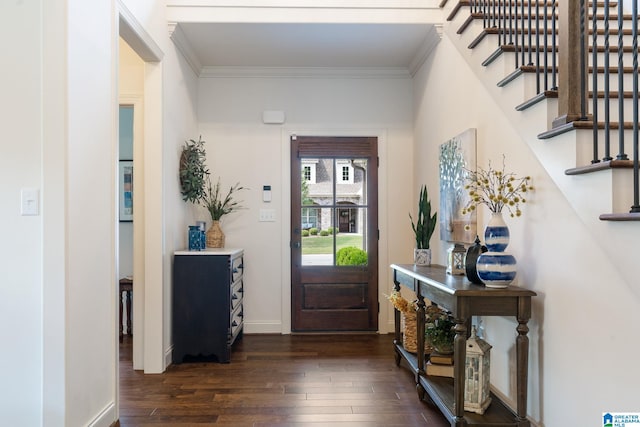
[[333, 288]]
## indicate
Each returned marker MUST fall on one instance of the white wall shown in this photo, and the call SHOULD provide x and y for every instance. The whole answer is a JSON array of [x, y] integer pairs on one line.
[[58, 269], [21, 362], [241, 148], [582, 363]]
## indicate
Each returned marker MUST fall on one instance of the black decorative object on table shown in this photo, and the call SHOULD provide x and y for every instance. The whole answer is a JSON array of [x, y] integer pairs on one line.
[[473, 253]]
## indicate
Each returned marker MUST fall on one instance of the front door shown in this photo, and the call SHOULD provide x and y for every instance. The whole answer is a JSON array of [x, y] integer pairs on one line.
[[334, 248]]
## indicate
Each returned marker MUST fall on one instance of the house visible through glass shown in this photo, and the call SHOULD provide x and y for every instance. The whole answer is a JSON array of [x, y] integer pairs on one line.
[[333, 211]]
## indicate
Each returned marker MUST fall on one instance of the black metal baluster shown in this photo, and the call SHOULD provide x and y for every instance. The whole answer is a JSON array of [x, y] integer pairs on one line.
[[545, 44], [607, 91], [537, 46], [594, 85], [583, 59], [621, 155], [530, 41], [504, 21], [494, 15], [634, 32], [515, 26], [511, 23], [523, 31], [554, 76]]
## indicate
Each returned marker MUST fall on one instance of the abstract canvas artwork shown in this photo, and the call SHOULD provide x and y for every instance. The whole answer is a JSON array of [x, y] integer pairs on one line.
[[457, 155], [126, 190]]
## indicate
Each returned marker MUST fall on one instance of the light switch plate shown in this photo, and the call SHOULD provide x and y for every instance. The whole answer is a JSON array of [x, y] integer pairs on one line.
[[267, 215], [30, 201]]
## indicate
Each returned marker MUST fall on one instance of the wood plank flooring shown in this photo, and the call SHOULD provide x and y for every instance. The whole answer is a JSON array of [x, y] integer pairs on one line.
[[280, 381]]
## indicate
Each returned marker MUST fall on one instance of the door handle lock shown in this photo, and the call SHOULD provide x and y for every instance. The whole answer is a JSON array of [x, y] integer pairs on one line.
[[296, 245]]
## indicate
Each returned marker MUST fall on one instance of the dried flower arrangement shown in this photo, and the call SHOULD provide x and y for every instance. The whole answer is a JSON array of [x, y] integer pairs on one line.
[[400, 303], [496, 189]]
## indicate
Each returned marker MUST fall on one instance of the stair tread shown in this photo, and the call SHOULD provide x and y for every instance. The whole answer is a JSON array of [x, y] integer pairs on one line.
[[631, 216], [582, 125], [604, 165]]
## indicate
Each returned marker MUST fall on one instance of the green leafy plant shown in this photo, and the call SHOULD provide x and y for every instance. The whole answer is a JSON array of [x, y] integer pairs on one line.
[[313, 231], [351, 255], [425, 223], [216, 204], [439, 331], [193, 171]]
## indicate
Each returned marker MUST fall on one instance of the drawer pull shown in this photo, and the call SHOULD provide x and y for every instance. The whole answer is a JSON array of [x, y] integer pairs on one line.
[[234, 323], [234, 296]]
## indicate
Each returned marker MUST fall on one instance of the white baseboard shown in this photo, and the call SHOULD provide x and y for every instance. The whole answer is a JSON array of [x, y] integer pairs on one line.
[[106, 417], [264, 327], [511, 404]]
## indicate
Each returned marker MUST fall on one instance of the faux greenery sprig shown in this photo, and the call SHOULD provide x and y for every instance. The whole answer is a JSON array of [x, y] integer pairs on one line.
[[215, 204], [439, 330], [496, 189], [193, 171]]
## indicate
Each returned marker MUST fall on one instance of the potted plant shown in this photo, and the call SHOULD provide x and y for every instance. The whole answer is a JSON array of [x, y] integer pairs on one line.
[[218, 207], [423, 228], [439, 332], [196, 187]]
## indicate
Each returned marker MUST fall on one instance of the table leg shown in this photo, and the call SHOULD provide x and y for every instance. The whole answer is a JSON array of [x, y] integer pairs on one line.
[[460, 355], [127, 296], [522, 358], [121, 326]]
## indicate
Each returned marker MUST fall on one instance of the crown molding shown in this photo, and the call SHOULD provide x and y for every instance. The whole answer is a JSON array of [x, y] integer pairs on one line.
[[430, 42], [184, 47], [305, 72]]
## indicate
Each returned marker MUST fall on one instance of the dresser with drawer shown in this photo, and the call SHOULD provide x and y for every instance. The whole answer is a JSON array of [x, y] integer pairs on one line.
[[207, 307]]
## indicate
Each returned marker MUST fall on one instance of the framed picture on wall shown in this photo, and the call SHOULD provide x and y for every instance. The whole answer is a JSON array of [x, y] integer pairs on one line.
[[457, 156], [125, 190]]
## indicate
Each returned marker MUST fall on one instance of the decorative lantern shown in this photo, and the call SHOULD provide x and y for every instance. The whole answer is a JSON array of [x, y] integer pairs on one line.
[[455, 259], [476, 379]]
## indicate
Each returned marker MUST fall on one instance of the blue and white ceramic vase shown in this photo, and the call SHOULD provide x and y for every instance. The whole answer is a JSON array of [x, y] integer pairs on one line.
[[496, 268]]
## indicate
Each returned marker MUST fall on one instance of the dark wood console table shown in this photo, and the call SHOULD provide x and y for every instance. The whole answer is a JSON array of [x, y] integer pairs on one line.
[[464, 299]]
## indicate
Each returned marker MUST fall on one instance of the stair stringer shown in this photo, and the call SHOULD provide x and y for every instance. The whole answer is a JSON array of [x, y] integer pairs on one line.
[[589, 195]]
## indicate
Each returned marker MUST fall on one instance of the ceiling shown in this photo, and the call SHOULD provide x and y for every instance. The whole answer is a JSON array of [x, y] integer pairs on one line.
[[291, 45]]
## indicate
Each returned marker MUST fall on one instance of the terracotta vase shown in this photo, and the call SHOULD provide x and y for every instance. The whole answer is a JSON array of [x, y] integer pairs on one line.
[[215, 236]]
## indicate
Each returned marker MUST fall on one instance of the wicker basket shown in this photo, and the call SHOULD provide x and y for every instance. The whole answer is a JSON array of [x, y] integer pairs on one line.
[[409, 333]]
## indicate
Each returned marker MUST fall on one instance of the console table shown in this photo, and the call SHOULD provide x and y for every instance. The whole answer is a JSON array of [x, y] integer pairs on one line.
[[463, 299]]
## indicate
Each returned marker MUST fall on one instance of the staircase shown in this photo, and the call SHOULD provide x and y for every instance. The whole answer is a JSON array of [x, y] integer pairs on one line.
[[519, 44], [570, 120]]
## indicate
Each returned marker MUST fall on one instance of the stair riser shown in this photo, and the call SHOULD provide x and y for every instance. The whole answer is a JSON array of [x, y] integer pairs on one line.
[[584, 153], [621, 180], [613, 82], [613, 40], [613, 109], [627, 59]]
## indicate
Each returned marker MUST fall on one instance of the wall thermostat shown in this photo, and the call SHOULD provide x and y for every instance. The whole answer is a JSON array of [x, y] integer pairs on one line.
[[266, 193]]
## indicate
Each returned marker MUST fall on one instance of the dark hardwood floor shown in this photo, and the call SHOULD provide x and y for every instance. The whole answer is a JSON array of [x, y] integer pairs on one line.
[[280, 380]]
